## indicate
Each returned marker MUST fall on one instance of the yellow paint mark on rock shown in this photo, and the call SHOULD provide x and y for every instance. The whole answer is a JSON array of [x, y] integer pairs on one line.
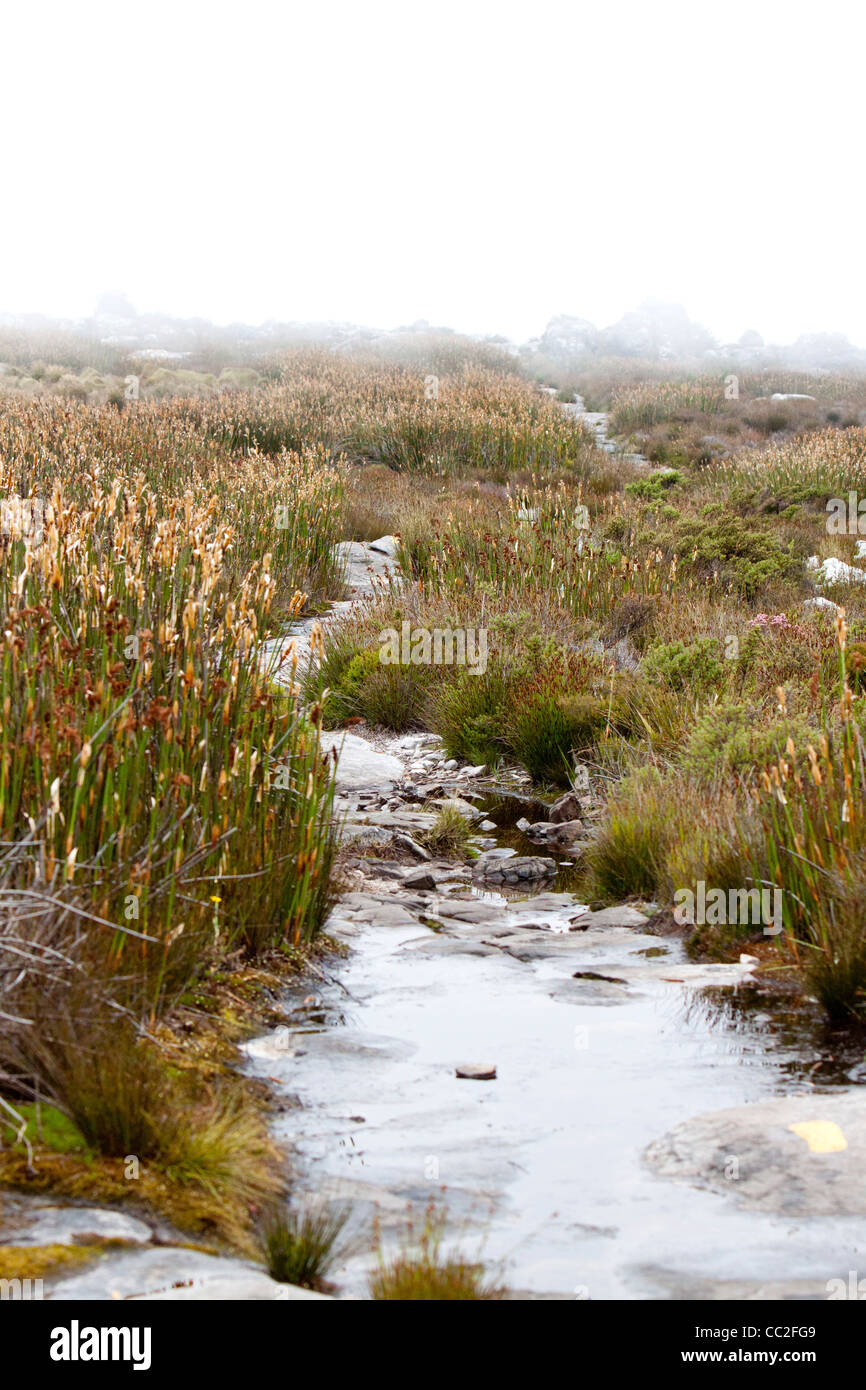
[[822, 1136]]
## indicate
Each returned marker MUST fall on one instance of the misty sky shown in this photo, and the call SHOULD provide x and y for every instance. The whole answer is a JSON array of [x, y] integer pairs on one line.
[[482, 165]]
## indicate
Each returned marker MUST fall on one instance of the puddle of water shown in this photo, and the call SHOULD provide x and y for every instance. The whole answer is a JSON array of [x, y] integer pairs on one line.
[[809, 1050]]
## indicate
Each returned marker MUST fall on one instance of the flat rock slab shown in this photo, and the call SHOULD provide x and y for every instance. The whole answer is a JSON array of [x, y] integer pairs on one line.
[[622, 916], [275, 655], [354, 834], [170, 1273], [359, 765], [382, 912], [473, 911], [687, 1285], [35, 1221], [401, 820], [572, 991], [699, 974], [366, 571], [799, 1156]]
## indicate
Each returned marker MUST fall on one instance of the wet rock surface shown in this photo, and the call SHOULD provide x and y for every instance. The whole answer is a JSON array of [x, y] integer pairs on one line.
[[802, 1156], [602, 1047], [166, 1274]]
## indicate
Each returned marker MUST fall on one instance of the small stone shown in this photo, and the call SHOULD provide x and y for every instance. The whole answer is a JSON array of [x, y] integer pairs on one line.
[[476, 1071], [478, 771], [566, 808], [487, 825], [412, 846], [419, 879]]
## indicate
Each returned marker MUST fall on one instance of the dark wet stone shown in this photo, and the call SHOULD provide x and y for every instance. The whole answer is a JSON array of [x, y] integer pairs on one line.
[[566, 808], [516, 869], [419, 878]]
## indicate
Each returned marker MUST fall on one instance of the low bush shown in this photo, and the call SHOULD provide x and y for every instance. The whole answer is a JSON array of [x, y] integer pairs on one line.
[[686, 666], [729, 740]]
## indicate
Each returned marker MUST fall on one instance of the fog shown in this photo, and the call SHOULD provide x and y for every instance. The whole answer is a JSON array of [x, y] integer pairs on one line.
[[481, 165]]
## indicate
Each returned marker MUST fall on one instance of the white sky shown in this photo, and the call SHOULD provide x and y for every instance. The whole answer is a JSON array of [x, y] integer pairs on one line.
[[479, 164]]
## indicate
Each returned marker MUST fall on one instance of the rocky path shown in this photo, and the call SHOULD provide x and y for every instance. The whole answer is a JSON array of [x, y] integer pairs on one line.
[[598, 421], [636, 1139]]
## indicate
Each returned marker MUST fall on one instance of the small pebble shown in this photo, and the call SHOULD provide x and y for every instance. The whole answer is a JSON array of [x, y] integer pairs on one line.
[[477, 1071]]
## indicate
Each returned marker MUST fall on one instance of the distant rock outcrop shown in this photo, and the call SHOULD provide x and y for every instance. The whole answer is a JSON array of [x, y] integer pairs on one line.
[[567, 337]]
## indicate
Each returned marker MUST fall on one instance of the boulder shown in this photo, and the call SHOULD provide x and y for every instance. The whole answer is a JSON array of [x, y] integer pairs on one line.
[[419, 879], [360, 765], [386, 545], [565, 808], [515, 869]]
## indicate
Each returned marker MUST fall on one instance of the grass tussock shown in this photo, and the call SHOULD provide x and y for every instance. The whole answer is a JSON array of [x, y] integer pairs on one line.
[[449, 835], [426, 1271], [301, 1246]]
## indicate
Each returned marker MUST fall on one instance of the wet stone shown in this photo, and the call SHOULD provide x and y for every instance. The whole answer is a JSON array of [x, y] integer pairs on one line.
[[566, 808], [519, 869]]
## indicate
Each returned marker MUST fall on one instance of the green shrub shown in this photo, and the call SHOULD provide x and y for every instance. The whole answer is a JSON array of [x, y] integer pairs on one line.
[[626, 857], [693, 666], [737, 551], [468, 713], [395, 695], [725, 741], [653, 489], [359, 684]]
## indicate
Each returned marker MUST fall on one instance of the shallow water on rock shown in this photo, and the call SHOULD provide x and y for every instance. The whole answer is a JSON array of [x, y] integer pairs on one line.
[[541, 1169]]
